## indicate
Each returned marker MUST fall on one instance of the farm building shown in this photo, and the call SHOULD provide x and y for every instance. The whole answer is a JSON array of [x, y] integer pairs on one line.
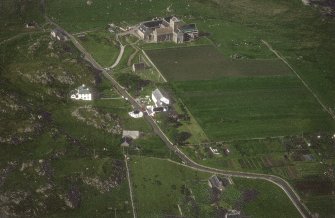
[[138, 67], [215, 182], [167, 29], [159, 99], [130, 134], [82, 93], [59, 35]]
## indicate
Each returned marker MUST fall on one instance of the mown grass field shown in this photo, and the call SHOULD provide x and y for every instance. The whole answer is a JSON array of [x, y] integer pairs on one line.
[[157, 188], [207, 63], [237, 108]]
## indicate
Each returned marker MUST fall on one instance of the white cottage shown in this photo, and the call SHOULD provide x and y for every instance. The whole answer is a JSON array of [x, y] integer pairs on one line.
[[159, 98], [136, 114], [82, 93]]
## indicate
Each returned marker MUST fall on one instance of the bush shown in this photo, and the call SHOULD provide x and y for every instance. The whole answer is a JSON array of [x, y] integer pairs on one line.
[[181, 137], [132, 82]]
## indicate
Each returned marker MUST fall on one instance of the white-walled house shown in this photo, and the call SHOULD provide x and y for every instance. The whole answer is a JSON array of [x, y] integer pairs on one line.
[[136, 114], [82, 93], [159, 99]]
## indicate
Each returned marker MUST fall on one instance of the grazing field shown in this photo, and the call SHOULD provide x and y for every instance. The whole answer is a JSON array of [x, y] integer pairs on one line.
[[206, 63], [248, 107], [159, 187]]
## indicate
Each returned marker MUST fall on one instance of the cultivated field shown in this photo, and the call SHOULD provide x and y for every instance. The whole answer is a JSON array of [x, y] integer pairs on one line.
[[206, 63], [248, 107]]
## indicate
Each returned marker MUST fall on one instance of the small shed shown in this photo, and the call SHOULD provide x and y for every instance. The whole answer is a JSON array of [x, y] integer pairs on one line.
[[138, 67], [215, 182]]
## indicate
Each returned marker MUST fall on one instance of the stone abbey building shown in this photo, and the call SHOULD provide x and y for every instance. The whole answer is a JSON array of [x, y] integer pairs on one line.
[[167, 29]]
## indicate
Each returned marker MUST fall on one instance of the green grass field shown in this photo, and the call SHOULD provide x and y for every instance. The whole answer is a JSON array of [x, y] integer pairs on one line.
[[253, 107], [299, 32], [102, 46], [157, 188], [14, 15], [207, 63]]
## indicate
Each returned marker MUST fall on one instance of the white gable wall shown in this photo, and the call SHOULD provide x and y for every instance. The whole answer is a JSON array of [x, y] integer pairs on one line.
[[165, 100]]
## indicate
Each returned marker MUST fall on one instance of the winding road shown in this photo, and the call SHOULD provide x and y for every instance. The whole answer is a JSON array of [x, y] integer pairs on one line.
[[284, 185], [120, 54]]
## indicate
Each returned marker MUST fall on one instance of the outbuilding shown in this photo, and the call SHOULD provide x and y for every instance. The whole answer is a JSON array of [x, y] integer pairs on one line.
[[138, 67]]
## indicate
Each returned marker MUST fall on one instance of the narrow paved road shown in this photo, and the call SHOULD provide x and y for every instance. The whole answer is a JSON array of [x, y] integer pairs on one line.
[[285, 186], [122, 47]]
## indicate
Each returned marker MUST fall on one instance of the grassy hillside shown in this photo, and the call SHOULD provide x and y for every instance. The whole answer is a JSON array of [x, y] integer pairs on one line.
[[14, 14], [58, 157]]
